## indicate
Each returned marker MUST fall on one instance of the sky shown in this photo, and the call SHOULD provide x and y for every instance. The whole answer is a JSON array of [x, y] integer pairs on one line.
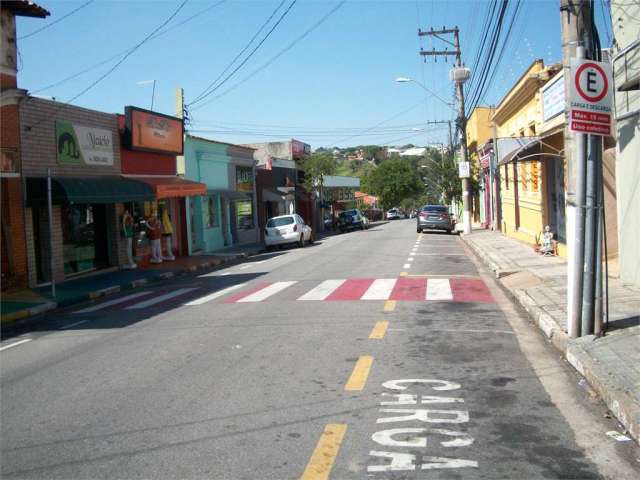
[[333, 87]]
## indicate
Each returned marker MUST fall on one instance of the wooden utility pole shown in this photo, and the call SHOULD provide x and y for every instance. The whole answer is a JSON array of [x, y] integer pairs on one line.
[[462, 119]]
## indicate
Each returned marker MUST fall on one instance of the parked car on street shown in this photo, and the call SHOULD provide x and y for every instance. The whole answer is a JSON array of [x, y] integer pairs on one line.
[[287, 230], [434, 217], [393, 214], [352, 219]]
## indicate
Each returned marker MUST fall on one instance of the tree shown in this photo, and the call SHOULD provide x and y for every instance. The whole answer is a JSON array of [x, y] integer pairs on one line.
[[317, 166], [393, 181], [440, 175]]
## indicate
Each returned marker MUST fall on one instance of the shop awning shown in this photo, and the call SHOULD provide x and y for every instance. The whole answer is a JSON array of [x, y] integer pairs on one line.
[[171, 187], [232, 194], [271, 196], [514, 148], [87, 190]]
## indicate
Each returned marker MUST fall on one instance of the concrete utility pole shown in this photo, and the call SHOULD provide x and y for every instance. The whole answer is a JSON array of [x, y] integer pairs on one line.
[[459, 75], [575, 22]]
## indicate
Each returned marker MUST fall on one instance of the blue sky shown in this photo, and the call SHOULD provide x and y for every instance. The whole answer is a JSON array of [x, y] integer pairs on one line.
[[335, 86]]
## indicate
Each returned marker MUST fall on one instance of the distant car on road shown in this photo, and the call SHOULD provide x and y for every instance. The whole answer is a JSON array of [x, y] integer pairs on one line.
[[393, 214], [434, 217], [287, 230], [352, 219]]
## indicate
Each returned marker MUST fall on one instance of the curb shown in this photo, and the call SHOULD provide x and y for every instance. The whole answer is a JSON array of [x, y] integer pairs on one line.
[[618, 401], [104, 292]]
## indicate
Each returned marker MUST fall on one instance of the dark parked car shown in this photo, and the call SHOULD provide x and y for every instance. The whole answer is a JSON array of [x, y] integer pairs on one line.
[[434, 217], [352, 219]]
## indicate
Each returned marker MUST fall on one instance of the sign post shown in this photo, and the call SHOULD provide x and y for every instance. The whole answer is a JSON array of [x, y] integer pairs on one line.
[[464, 170], [590, 97]]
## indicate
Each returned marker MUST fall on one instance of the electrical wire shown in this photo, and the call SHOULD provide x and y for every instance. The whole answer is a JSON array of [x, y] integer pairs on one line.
[[44, 27], [119, 54], [112, 69], [275, 57], [246, 47]]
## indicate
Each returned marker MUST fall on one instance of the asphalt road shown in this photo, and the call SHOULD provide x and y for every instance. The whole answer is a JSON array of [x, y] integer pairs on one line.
[[375, 354]]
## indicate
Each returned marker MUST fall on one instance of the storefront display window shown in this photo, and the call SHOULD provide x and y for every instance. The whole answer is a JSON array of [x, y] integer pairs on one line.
[[211, 211], [84, 242], [244, 213]]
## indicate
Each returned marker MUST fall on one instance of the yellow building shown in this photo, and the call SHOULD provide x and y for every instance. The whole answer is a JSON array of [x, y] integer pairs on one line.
[[529, 123], [479, 132]]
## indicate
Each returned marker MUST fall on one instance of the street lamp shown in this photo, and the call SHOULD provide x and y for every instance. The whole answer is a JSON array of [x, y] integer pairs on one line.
[[407, 80]]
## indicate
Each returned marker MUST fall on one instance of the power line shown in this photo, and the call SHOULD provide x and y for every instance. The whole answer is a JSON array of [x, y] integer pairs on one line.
[[113, 57], [44, 27], [108, 72], [275, 57], [201, 95]]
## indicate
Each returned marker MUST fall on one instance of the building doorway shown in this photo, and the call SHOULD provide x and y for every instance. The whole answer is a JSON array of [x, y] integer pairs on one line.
[[556, 198]]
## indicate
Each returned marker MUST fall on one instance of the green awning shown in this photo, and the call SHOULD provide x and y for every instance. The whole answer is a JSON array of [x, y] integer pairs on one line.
[[87, 190]]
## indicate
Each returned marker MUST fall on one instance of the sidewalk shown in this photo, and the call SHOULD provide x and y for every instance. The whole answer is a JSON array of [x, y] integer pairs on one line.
[[26, 303], [611, 364]]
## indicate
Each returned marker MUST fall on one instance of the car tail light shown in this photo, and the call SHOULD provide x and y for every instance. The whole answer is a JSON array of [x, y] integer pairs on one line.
[[423, 214], [295, 228]]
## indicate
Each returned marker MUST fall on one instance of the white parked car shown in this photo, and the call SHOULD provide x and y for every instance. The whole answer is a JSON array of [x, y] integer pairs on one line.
[[287, 229], [393, 214]]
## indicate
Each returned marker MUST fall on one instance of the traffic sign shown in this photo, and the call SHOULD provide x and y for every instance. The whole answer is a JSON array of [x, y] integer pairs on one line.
[[590, 99], [463, 170]]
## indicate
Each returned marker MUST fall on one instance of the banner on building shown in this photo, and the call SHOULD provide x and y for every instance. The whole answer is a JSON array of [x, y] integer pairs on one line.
[[244, 179], [153, 132], [82, 145]]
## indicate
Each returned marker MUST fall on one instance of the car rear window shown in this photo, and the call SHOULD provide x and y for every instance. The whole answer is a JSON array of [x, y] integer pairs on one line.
[[279, 222], [348, 213], [434, 209]]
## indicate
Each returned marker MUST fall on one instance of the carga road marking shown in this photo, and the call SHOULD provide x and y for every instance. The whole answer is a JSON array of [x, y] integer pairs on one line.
[[112, 302], [325, 453], [161, 298], [323, 290], [439, 289], [389, 306], [379, 330], [380, 289], [404, 274], [406, 265], [74, 324], [266, 292], [15, 344], [358, 378], [213, 296]]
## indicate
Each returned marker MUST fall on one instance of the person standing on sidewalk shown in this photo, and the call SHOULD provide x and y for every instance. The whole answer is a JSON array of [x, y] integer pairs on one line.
[[127, 232], [153, 225], [167, 233]]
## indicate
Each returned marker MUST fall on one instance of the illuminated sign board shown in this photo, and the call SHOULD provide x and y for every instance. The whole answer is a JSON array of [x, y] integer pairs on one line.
[[153, 132]]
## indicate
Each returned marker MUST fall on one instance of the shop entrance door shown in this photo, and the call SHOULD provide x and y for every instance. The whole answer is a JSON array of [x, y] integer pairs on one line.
[[555, 207], [100, 235]]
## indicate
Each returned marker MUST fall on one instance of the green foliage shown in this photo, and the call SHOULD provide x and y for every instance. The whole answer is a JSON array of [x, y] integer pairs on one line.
[[393, 181], [316, 166], [440, 174]]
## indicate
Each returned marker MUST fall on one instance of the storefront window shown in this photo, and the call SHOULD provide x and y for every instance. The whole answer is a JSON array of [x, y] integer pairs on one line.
[[211, 211], [244, 214], [82, 249]]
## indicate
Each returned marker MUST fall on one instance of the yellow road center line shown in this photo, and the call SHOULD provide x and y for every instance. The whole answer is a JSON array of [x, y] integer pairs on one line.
[[325, 453], [389, 305], [379, 330], [360, 373], [404, 274]]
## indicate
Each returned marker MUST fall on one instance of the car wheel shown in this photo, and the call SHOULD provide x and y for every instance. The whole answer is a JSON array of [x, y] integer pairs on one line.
[[419, 230], [449, 232]]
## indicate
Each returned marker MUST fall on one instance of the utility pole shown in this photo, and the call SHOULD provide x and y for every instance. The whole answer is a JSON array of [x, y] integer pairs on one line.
[[575, 19], [459, 75]]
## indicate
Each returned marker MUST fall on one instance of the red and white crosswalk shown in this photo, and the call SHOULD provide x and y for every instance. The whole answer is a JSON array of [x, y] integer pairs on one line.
[[411, 289]]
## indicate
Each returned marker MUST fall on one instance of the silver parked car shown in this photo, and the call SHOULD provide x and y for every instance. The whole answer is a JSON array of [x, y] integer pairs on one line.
[[434, 217]]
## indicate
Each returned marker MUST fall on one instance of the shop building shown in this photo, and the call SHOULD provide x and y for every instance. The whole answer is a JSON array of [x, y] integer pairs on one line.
[[150, 145], [13, 252], [479, 132], [79, 149], [530, 159], [225, 214]]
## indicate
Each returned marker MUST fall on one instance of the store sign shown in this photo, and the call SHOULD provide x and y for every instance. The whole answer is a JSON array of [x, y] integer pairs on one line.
[[553, 98], [339, 194], [591, 100], [153, 132], [82, 145], [463, 170], [244, 179]]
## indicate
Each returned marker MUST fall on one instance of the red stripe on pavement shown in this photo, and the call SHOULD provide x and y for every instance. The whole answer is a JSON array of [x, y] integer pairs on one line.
[[470, 290], [245, 293], [352, 289], [410, 289]]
